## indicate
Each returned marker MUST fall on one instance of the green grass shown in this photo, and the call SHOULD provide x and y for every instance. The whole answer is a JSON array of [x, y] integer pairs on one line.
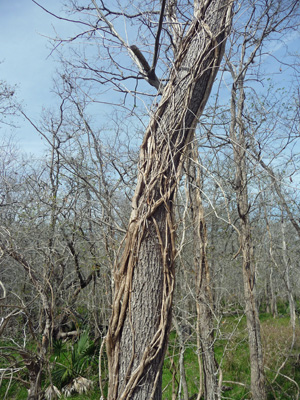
[[171, 365], [231, 350], [15, 392]]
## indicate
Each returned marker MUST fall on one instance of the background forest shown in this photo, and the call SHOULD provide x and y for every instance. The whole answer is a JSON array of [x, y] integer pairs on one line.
[[63, 216]]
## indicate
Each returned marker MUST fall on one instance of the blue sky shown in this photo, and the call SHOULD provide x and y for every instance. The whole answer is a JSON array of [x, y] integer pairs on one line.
[[26, 60], [25, 30], [25, 50]]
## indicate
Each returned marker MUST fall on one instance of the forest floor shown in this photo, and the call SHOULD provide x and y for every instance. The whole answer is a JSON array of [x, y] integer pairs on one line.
[[282, 362]]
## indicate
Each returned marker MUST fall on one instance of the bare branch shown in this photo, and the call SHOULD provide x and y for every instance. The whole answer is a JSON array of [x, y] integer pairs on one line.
[[133, 51], [156, 48]]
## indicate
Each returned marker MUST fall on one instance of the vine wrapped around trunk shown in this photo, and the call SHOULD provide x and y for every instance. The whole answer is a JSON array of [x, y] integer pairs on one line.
[[144, 274]]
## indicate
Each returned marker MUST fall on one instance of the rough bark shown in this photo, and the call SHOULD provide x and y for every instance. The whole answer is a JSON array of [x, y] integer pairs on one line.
[[144, 275]]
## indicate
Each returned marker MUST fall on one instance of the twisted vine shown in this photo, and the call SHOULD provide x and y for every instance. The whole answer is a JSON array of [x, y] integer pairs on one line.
[[161, 157]]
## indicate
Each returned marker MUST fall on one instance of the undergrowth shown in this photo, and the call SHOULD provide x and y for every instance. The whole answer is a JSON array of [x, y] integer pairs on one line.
[[282, 363]]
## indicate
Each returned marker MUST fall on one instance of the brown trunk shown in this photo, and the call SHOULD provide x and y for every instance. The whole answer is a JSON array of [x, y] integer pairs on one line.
[[34, 368], [144, 275]]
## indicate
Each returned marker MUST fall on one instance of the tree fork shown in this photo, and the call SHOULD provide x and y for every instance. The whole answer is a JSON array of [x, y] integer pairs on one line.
[[144, 274]]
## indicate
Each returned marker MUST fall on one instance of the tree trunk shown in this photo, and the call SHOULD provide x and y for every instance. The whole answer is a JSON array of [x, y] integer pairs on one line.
[[144, 275], [287, 281], [204, 296], [271, 297], [237, 135], [182, 383], [35, 377]]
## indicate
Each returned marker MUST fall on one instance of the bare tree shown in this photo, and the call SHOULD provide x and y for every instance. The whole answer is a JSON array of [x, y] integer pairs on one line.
[[144, 271], [264, 19], [8, 103], [204, 293]]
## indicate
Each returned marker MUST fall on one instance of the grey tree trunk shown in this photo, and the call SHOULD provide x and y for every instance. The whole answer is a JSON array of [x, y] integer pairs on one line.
[[144, 275], [286, 208], [204, 295], [287, 280], [237, 135], [270, 292]]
